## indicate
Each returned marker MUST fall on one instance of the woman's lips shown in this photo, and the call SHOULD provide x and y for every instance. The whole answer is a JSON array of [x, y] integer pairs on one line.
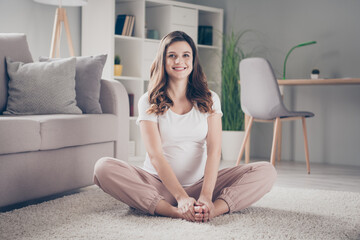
[[179, 68]]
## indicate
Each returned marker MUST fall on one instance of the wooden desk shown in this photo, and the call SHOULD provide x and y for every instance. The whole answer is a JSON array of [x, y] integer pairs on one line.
[[290, 82], [333, 81]]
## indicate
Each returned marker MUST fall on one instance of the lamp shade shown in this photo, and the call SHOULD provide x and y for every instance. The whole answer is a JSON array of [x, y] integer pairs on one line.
[[66, 3]]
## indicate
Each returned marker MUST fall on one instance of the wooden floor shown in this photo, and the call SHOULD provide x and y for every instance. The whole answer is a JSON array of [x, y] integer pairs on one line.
[[322, 176]]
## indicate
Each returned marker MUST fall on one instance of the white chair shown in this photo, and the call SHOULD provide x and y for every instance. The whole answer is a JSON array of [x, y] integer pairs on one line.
[[261, 101]]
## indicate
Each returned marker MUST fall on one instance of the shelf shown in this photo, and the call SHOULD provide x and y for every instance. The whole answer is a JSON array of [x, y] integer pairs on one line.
[[130, 38], [152, 40], [128, 78], [200, 46]]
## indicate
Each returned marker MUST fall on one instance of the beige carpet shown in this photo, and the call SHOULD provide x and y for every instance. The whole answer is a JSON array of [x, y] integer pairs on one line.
[[284, 213]]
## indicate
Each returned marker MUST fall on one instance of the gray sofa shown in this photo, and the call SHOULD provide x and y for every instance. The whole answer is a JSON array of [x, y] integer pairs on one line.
[[41, 155]]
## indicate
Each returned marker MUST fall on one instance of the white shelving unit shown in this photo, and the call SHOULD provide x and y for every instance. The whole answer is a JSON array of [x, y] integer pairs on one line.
[[137, 51]]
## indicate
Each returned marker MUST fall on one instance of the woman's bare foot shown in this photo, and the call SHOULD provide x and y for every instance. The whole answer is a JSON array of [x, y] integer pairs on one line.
[[202, 213], [166, 209]]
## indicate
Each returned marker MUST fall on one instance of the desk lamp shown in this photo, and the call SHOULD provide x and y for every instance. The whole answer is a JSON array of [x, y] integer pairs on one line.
[[61, 17], [300, 45]]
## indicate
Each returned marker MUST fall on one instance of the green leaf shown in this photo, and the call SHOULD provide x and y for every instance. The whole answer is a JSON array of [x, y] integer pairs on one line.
[[233, 118]]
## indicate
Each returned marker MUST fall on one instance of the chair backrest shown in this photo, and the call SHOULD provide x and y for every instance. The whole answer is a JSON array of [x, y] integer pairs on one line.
[[260, 94], [14, 46]]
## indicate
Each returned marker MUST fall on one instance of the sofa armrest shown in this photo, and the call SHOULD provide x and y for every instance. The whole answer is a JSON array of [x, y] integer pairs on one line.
[[114, 100]]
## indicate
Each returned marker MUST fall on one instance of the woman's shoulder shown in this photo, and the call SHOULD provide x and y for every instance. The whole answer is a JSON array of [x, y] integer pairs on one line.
[[214, 96], [144, 99], [216, 102], [145, 96]]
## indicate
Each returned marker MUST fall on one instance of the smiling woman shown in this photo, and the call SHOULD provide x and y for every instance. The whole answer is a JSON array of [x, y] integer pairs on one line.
[[178, 51], [179, 61], [180, 124]]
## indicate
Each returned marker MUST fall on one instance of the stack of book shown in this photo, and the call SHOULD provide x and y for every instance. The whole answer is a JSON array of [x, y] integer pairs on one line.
[[124, 25]]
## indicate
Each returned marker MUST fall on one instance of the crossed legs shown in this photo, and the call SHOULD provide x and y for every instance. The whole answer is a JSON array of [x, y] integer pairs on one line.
[[236, 188]]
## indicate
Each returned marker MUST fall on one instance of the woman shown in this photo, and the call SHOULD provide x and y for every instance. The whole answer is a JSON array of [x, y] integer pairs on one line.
[[180, 124]]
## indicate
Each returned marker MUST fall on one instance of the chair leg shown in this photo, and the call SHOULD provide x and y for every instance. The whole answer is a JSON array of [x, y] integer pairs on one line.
[[279, 142], [247, 134], [275, 139], [247, 146], [306, 145]]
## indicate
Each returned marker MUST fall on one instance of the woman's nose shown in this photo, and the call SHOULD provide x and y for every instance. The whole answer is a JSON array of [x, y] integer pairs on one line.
[[177, 60]]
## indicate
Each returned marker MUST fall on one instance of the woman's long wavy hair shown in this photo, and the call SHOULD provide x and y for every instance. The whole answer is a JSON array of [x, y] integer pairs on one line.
[[197, 88]]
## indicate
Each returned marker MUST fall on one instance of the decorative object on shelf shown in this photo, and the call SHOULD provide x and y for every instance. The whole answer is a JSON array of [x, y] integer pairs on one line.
[[315, 74], [117, 66], [287, 55], [153, 34], [131, 104], [61, 17], [233, 118], [205, 35], [124, 25]]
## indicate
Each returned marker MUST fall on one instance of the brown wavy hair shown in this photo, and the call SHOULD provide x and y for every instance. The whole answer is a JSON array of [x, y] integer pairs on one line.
[[197, 89]]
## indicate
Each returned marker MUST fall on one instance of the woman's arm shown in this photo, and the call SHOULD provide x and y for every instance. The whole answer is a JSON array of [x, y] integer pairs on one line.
[[213, 140], [151, 137]]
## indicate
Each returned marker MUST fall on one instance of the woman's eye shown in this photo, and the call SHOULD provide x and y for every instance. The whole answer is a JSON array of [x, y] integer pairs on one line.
[[186, 55], [172, 55]]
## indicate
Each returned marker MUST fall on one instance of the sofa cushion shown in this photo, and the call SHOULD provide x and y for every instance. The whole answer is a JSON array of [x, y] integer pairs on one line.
[[44, 132], [87, 81], [70, 130], [13, 45], [20, 134], [41, 87]]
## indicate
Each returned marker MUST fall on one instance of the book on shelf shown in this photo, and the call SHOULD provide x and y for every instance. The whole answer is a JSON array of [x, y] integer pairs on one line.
[[119, 25], [124, 25], [205, 35], [131, 27], [131, 104]]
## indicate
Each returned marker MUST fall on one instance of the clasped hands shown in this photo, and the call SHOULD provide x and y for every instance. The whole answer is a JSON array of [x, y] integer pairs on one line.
[[201, 210]]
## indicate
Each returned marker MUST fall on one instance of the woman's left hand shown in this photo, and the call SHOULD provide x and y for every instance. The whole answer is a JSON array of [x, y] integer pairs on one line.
[[204, 207]]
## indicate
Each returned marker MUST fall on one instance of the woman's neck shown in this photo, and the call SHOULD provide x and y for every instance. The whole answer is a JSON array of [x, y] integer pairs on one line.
[[177, 90]]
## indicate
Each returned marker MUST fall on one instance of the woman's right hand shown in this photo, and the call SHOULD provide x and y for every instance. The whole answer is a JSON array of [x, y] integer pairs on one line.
[[186, 208]]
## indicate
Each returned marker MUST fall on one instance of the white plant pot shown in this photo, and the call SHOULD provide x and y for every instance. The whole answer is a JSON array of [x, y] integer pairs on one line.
[[231, 144]]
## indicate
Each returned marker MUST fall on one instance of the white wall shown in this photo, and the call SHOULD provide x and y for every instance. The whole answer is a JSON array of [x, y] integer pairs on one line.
[[277, 25], [36, 21]]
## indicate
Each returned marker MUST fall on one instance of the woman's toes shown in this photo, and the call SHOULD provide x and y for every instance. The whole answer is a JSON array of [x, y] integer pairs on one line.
[[198, 217]]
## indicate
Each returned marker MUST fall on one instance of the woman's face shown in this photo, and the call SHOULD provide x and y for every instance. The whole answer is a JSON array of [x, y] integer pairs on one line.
[[179, 60]]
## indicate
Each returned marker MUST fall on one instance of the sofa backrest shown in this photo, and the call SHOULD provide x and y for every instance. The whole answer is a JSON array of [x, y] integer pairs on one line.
[[14, 46]]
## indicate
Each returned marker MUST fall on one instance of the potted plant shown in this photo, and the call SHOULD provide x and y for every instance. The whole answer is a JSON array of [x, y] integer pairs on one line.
[[117, 66], [315, 74], [233, 117]]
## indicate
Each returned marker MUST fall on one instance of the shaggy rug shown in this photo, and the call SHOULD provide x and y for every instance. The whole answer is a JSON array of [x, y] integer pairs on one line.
[[284, 213]]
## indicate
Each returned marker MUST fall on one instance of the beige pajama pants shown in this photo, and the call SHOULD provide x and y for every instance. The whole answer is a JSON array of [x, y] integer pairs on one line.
[[238, 186]]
